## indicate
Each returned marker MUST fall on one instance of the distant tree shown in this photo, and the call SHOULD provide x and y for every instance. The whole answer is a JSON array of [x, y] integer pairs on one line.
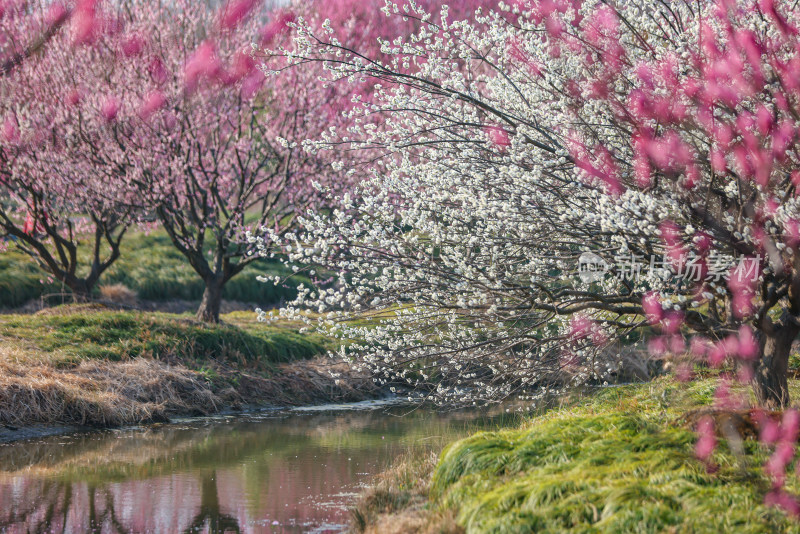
[[52, 195], [224, 146]]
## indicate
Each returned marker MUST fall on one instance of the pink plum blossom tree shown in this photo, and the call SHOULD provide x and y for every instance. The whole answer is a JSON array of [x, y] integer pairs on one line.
[[144, 109], [227, 140], [52, 196]]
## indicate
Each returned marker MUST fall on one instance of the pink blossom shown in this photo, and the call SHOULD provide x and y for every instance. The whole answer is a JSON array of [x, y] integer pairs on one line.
[[133, 45], [252, 84], [645, 74], [243, 65], [56, 14], [792, 232], [152, 102], [671, 236], [783, 500], [652, 307], [768, 7], [110, 108], [781, 139], [790, 425], [741, 281], [723, 135], [742, 304], [699, 346], [748, 345], [702, 242], [74, 97], [707, 441], [580, 326], [554, 26], [642, 171], [718, 163], [203, 63], [764, 120], [278, 26], [84, 22], [672, 321], [568, 360], [744, 374], [776, 465], [10, 130], [233, 13], [157, 70], [29, 225], [657, 346], [170, 120], [693, 177], [721, 350], [769, 430], [639, 104], [676, 344], [795, 177], [498, 136]]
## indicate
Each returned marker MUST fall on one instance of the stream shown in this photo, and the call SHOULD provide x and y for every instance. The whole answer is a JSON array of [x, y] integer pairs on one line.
[[293, 470]]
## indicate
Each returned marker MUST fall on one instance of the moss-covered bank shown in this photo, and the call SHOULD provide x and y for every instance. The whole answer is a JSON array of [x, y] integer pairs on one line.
[[616, 461], [85, 365]]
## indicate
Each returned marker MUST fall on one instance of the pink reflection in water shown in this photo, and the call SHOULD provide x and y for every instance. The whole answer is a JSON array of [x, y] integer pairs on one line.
[[291, 474]]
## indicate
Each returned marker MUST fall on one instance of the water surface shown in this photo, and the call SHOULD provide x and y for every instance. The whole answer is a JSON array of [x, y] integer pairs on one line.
[[289, 471]]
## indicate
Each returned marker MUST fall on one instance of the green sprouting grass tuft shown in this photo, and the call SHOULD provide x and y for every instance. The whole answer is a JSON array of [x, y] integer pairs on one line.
[[612, 462]]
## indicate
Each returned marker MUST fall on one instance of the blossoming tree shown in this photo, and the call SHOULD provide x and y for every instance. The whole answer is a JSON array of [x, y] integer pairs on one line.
[[52, 195], [143, 110], [216, 146], [17, 43], [655, 141]]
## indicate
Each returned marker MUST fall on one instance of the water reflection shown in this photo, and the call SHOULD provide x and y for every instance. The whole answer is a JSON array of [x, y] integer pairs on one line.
[[281, 472]]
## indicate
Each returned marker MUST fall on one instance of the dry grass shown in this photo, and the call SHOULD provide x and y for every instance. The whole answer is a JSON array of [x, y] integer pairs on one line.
[[87, 365], [100, 394], [308, 382], [118, 294], [104, 393], [396, 503]]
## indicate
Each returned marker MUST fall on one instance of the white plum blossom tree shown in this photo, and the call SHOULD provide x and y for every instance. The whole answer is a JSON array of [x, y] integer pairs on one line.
[[661, 137]]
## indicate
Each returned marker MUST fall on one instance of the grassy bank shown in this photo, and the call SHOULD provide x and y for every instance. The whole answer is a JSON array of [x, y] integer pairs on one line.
[[91, 366], [152, 268], [620, 460]]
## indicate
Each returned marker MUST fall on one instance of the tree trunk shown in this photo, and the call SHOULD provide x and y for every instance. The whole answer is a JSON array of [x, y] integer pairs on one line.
[[212, 301], [770, 379], [81, 291]]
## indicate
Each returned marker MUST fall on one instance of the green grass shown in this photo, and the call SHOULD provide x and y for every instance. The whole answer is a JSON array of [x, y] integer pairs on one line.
[[21, 280], [74, 333], [614, 461], [150, 266]]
